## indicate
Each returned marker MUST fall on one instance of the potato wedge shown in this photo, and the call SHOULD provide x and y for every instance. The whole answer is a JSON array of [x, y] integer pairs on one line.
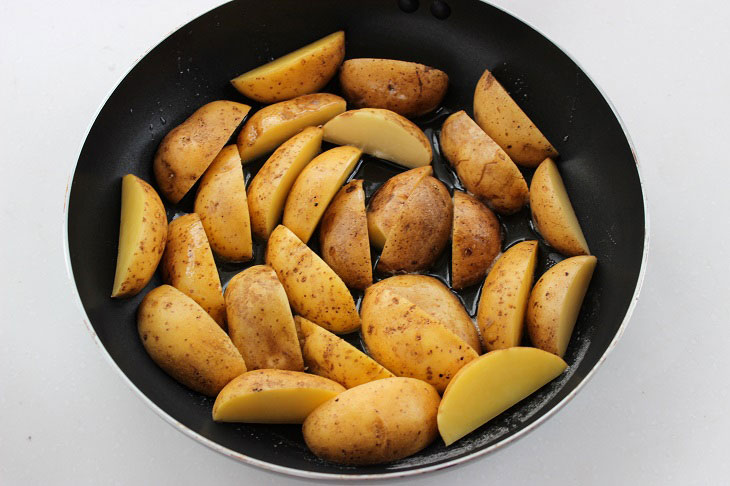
[[435, 298], [142, 236], [502, 305], [274, 124], [553, 213], [300, 72], [270, 186], [476, 240], [407, 88], [410, 342], [332, 357], [555, 302], [386, 204], [315, 187], [188, 149], [343, 237], [223, 209], [313, 288], [188, 265], [381, 133], [273, 397], [260, 321], [186, 342], [504, 121], [491, 384], [482, 166], [422, 230], [380, 421]]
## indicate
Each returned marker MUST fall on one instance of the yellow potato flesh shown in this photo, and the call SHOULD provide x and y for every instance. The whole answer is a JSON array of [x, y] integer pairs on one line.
[[504, 297], [142, 236], [273, 397], [305, 70], [332, 357], [270, 187], [315, 187], [274, 124], [381, 133], [556, 301], [491, 384], [386, 204], [553, 213]]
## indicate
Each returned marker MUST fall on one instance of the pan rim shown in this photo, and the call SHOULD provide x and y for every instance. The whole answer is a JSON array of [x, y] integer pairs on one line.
[[288, 471]]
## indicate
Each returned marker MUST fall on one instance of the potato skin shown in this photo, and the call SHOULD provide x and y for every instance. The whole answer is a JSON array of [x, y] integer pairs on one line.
[[407, 88], [386, 204], [274, 124], [380, 421], [435, 298], [308, 73], [408, 341], [343, 237], [188, 265], [332, 357], [186, 342], [313, 288], [504, 121], [422, 230], [260, 322], [476, 240], [188, 149], [483, 167], [223, 209], [148, 250]]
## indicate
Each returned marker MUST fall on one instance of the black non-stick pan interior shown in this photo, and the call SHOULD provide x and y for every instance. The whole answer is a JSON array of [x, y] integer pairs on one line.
[[193, 66]]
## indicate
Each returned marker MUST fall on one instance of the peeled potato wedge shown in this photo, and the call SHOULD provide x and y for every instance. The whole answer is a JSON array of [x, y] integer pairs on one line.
[[503, 302], [505, 122], [343, 237], [274, 124], [315, 187], [300, 72], [260, 321], [271, 184], [188, 265], [386, 204], [382, 133], [422, 230], [491, 384], [313, 288], [273, 397], [223, 209], [408, 341], [332, 357], [482, 166], [476, 240], [186, 342], [142, 236], [555, 302], [407, 88], [380, 421], [188, 149], [435, 298], [553, 213]]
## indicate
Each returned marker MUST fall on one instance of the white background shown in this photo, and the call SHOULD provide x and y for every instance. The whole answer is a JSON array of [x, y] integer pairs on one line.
[[655, 413]]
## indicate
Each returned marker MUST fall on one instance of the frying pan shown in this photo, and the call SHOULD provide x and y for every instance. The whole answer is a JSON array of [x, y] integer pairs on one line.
[[193, 65]]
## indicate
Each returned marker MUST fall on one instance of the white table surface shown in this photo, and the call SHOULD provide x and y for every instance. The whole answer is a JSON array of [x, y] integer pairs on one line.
[[655, 413]]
